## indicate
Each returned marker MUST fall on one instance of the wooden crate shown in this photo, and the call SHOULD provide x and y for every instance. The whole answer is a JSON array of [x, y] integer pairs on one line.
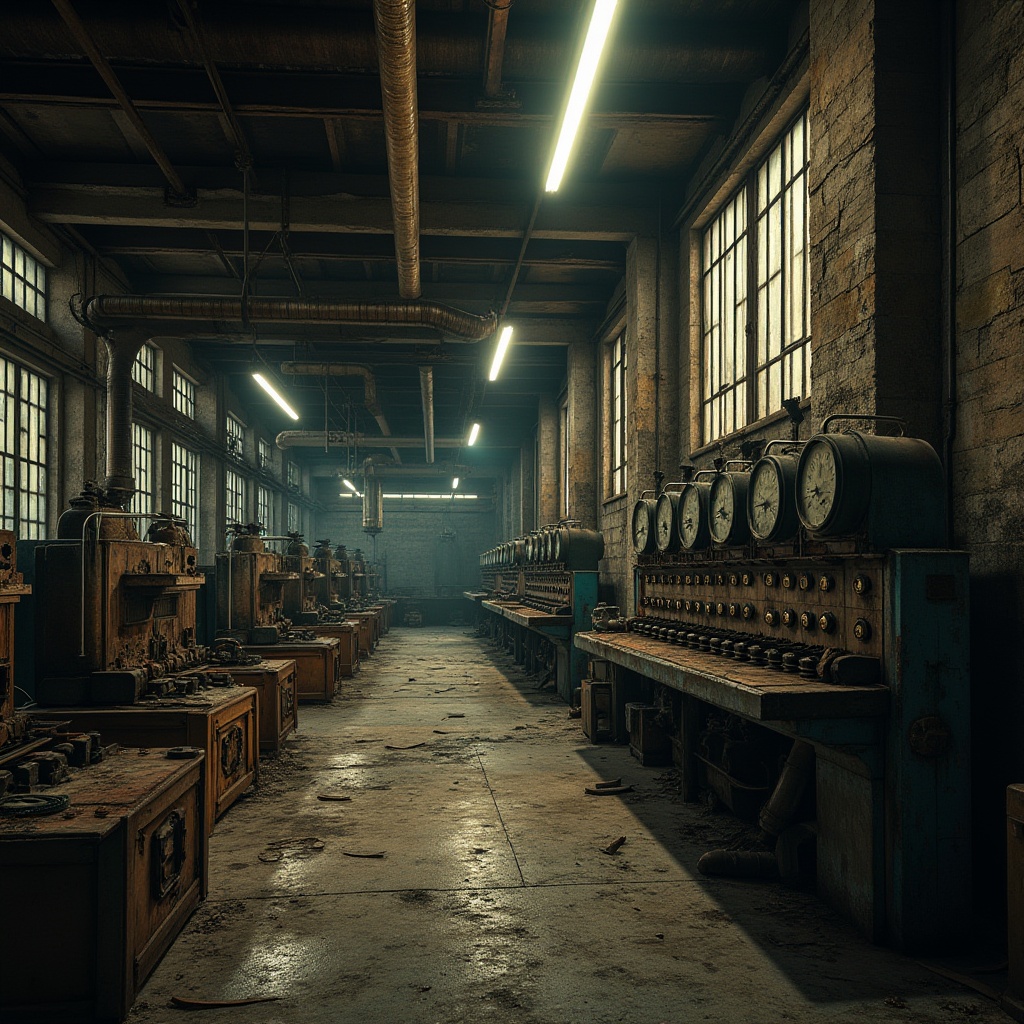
[[369, 631], [347, 634], [221, 722], [317, 665], [275, 683], [93, 897], [598, 715]]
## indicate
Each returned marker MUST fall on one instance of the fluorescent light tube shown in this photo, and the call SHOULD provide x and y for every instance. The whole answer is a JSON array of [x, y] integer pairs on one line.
[[351, 486], [597, 34], [499, 352], [270, 390], [455, 484], [473, 435]]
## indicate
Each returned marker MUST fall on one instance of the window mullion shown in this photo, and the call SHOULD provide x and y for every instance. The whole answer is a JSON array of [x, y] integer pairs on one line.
[[750, 328]]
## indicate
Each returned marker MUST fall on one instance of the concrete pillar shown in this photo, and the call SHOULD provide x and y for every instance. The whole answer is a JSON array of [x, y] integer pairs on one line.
[[547, 461], [643, 364], [875, 211], [582, 441]]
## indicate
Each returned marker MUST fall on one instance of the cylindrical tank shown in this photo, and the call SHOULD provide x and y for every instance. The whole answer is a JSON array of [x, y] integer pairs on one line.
[[577, 549], [296, 546], [373, 501]]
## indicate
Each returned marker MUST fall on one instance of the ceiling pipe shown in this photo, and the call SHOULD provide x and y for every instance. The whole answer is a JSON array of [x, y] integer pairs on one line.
[[343, 439], [119, 485], [114, 310], [307, 369], [427, 392], [395, 26]]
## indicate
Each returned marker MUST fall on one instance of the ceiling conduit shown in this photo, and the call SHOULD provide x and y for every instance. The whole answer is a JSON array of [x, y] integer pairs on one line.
[[427, 393], [343, 439], [118, 310], [395, 24], [347, 370]]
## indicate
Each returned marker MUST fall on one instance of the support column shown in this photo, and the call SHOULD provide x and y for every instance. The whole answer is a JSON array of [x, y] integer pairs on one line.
[[547, 461], [582, 442], [527, 489]]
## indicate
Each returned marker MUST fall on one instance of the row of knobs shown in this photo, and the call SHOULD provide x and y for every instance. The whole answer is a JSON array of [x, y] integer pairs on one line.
[[787, 580], [810, 621], [782, 655]]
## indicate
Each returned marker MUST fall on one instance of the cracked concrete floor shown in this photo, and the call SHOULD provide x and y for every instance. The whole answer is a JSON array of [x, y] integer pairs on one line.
[[463, 879]]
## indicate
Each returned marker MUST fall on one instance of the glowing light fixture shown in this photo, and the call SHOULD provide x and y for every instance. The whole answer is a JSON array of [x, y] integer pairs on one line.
[[499, 352], [351, 486], [473, 435], [597, 34], [455, 484], [272, 391]]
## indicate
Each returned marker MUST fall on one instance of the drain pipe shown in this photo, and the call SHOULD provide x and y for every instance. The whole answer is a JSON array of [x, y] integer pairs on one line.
[[427, 392], [122, 348], [395, 24]]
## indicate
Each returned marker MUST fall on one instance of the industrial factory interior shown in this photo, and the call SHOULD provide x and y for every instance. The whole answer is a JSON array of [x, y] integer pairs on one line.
[[511, 511]]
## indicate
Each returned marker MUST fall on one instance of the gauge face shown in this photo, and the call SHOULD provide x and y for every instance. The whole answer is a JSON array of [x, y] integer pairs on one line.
[[817, 486], [665, 522], [765, 499], [693, 517], [643, 534], [727, 503]]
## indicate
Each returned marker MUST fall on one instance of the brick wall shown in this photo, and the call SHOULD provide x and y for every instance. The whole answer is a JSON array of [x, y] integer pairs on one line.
[[418, 562]]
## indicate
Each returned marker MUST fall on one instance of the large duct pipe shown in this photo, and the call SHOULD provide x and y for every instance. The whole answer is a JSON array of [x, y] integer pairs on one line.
[[395, 25], [121, 353], [373, 500], [113, 310], [343, 439], [427, 392]]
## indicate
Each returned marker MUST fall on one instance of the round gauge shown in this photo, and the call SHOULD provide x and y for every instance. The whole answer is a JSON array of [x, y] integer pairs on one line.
[[728, 503], [771, 498], [644, 532], [693, 517], [818, 485], [665, 511]]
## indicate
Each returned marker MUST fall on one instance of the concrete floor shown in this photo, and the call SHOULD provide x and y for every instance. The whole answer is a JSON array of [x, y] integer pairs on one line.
[[492, 900]]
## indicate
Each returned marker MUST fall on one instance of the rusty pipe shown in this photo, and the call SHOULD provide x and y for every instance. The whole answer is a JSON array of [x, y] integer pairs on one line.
[[427, 393], [395, 26], [121, 352], [344, 439], [112, 310]]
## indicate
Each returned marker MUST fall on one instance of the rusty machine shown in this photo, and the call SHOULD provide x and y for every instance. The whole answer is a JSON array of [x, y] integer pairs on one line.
[[109, 841], [809, 591], [541, 589], [251, 601]]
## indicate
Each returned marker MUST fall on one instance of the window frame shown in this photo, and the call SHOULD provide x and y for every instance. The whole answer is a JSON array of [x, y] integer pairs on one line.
[[234, 477], [264, 453], [618, 414], [234, 428], [144, 367], [183, 396], [181, 472], [294, 518], [144, 471], [769, 361], [265, 501], [21, 272], [25, 396]]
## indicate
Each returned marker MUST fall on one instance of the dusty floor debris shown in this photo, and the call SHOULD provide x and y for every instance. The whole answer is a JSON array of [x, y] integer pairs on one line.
[[496, 902]]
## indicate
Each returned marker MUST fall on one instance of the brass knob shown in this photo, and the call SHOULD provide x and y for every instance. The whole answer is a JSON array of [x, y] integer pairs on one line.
[[861, 584], [808, 620], [748, 611], [769, 579], [787, 580], [862, 630], [827, 622], [788, 617], [805, 582], [826, 583], [771, 617]]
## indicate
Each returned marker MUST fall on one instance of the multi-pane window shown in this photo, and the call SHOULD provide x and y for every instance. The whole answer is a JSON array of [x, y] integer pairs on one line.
[[184, 395], [294, 477], [22, 278], [142, 469], [234, 496], [235, 436], [618, 415], [755, 293], [144, 368], [185, 487], [24, 400], [264, 508], [263, 453], [294, 519]]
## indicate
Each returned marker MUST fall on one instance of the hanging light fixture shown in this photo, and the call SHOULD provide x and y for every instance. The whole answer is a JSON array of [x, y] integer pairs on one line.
[[499, 352], [274, 394]]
